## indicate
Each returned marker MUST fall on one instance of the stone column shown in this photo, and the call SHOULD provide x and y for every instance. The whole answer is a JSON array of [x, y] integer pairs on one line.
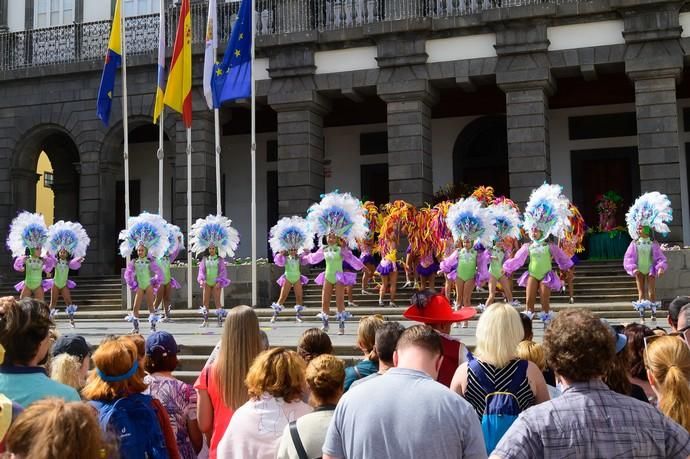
[[3, 16], [409, 139], [97, 201], [300, 149]]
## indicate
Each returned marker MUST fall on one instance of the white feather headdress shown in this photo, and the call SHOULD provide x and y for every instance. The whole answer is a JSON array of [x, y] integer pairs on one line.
[[547, 210], [69, 236], [467, 219], [340, 214], [291, 233], [505, 220], [175, 239], [214, 231], [27, 231], [652, 209], [149, 230]]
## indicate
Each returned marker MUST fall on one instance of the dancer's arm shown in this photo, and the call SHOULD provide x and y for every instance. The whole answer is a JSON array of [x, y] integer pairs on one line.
[[131, 276], [483, 260], [279, 259], [450, 262], [630, 259], [513, 264], [660, 263], [158, 275], [75, 263], [19, 263], [352, 260], [222, 278], [316, 257], [563, 261], [201, 277], [49, 263]]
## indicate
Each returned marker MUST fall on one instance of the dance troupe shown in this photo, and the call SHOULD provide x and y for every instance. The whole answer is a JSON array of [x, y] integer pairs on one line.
[[472, 242]]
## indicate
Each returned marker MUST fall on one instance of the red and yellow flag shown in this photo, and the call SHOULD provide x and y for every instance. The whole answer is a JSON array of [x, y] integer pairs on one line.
[[178, 91]]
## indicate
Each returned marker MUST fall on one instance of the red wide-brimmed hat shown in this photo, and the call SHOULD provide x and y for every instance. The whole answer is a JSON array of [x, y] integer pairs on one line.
[[436, 309]]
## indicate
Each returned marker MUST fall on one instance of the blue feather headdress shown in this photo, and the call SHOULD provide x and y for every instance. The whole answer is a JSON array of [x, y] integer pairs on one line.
[[214, 231], [340, 214], [27, 231], [467, 219], [291, 233], [652, 209], [148, 230], [69, 236], [505, 220], [548, 211]]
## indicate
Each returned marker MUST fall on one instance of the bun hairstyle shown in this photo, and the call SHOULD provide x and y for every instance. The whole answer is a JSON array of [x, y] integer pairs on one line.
[[421, 298], [366, 335], [325, 377], [24, 325]]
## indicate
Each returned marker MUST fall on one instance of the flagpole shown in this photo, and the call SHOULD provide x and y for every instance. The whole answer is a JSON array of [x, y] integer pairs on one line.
[[125, 127], [189, 216], [253, 157], [161, 155]]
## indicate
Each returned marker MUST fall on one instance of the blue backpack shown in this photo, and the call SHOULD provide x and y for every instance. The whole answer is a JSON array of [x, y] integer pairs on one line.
[[134, 424], [502, 408]]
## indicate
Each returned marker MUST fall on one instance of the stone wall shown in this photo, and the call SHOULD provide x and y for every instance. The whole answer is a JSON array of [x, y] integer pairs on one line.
[[676, 281]]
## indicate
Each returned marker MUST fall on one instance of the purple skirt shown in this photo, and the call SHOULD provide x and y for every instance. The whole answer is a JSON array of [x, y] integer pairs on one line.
[[302, 280], [48, 284], [428, 271], [551, 280], [388, 268], [341, 278], [367, 259], [348, 267]]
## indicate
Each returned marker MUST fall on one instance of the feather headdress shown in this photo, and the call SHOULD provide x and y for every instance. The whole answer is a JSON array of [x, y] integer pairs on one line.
[[340, 214], [438, 227], [374, 219], [547, 210], [483, 194], [149, 230], [399, 217], [505, 220], [574, 232], [214, 231], [175, 239], [291, 233], [467, 219], [652, 209], [69, 236], [27, 231]]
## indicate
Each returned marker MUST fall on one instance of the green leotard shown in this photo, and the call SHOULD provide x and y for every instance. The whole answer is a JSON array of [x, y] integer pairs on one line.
[[496, 265], [211, 270], [467, 264], [142, 268], [644, 255], [334, 262], [539, 260], [292, 272], [61, 274], [33, 268], [164, 263]]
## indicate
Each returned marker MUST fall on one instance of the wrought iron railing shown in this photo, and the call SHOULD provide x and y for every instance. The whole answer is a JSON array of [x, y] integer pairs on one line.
[[88, 41]]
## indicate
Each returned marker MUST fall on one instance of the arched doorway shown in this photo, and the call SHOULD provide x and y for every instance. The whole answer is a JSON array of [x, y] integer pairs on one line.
[[480, 155]]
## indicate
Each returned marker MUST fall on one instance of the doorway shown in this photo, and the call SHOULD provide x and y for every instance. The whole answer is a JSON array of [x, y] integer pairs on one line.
[[134, 209]]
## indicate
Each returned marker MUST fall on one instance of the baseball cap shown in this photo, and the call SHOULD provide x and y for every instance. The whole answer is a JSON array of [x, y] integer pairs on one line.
[[74, 345], [621, 339], [161, 340]]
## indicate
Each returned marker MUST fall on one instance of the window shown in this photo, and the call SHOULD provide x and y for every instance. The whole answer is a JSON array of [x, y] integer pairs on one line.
[[48, 179], [141, 7], [52, 13], [373, 143], [602, 126]]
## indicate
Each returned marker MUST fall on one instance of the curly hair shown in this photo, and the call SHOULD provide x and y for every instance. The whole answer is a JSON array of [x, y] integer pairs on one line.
[[278, 372], [325, 376], [66, 369], [578, 345], [24, 324]]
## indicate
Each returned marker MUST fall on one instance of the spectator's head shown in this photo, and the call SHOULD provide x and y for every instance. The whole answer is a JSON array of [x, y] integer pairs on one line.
[[684, 318], [617, 375], [78, 349], [264, 340], [67, 369], [387, 336], [534, 352], [161, 352], [24, 331], [314, 343], [636, 333], [239, 346], [325, 378], [674, 310], [277, 372], [140, 343], [578, 346], [668, 369], [527, 326], [53, 428], [419, 348], [366, 335], [117, 372], [499, 331]]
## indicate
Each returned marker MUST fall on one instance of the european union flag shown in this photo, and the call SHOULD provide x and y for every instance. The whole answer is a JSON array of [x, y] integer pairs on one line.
[[232, 77]]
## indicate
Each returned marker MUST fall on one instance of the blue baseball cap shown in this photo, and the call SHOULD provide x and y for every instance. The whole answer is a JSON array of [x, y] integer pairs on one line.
[[621, 339], [161, 340]]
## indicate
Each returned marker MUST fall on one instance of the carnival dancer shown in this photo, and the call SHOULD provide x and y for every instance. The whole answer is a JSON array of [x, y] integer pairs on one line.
[[546, 214], [215, 240], [644, 259], [27, 235], [339, 219], [67, 244], [147, 234], [506, 222], [168, 283], [399, 217], [571, 244], [367, 246], [422, 243], [291, 241], [470, 224], [442, 240], [485, 196]]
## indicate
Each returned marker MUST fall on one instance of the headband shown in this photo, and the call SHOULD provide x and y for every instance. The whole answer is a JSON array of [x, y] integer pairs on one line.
[[118, 378]]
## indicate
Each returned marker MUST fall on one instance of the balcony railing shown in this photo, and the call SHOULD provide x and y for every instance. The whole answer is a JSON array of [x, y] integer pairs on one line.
[[88, 41]]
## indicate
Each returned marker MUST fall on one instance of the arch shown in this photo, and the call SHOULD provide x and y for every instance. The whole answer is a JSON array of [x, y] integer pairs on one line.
[[480, 154]]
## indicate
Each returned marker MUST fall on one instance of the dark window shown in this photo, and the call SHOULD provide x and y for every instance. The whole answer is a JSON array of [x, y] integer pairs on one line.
[[272, 151], [373, 143], [374, 182], [686, 119], [222, 194], [602, 126], [687, 166]]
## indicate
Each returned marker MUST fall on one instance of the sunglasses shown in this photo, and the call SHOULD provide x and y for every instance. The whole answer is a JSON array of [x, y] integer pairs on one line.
[[683, 333]]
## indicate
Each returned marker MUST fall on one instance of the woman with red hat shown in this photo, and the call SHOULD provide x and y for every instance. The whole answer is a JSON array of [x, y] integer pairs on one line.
[[435, 310]]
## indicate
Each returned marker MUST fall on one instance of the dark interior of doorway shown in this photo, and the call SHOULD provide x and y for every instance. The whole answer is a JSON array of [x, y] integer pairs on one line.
[[374, 182], [134, 209]]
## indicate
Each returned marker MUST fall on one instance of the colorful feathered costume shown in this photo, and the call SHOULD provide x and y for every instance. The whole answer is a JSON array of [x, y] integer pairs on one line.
[[28, 233], [175, 245]]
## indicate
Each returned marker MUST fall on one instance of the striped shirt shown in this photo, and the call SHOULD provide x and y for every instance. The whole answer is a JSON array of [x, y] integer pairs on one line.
[[591, 421], [500, 377]]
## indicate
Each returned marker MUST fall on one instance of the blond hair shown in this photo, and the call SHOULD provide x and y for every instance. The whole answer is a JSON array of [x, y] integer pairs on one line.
[[325, 377], [499, 331], [366, 334], [239, 346], [279, 373], [534, 352], [114, 357], [668, 360], [66, 369]]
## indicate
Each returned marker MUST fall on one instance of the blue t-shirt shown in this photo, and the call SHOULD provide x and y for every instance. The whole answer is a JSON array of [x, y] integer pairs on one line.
[[25, 385], [363, 369]]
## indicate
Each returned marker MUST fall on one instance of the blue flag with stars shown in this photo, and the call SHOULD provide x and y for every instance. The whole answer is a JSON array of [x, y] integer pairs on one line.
[[232, 77]]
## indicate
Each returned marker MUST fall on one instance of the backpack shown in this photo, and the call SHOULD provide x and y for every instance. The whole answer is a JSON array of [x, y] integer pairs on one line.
[[502, 408], [135, 426]]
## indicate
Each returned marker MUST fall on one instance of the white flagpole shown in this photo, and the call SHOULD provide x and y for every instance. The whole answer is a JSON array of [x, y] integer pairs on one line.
[[253, 154], [216, 124], [189, 216], [161, 132], [125, 128]]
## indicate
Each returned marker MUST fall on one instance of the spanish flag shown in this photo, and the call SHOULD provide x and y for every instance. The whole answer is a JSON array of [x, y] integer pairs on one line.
[[178, 91], [113, 60]]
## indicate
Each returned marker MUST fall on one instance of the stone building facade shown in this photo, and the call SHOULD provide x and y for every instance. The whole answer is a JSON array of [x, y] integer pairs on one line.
[[528, 80]]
